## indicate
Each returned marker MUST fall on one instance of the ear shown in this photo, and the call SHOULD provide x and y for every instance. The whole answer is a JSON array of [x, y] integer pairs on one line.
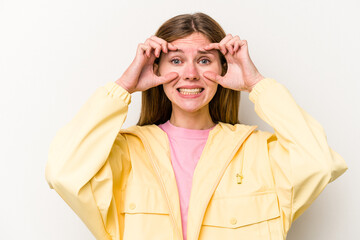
[[224, 69], [156, 69]]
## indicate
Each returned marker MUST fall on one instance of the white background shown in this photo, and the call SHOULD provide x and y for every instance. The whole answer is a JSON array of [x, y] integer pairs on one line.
[[54, 54]]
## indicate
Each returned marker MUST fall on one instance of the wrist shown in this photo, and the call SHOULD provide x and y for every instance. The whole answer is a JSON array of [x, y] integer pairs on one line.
[[258, 79], [120, 83]]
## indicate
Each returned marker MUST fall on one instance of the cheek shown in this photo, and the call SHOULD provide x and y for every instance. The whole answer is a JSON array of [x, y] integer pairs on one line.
[[213, 67], [168, 90], [211, 86], [165, 67], [214, 87]]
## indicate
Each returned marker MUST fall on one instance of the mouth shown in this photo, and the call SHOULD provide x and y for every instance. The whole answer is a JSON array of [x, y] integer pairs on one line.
[[190, 91]]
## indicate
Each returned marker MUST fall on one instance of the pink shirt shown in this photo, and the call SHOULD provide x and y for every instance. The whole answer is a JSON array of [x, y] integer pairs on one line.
[[186, 146]]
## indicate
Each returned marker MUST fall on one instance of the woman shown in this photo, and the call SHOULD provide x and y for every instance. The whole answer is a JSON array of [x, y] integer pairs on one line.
[[189, 169]]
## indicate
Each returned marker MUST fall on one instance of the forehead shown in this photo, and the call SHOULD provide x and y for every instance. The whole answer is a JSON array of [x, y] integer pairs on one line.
[[192, 43], [194, 38]]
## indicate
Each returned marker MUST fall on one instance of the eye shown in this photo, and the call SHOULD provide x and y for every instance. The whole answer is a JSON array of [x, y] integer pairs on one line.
[[205, 61], [175, 61]]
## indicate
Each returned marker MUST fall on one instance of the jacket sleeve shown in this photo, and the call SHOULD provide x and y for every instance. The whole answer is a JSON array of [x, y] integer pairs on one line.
[[88, 158], [301, 160]]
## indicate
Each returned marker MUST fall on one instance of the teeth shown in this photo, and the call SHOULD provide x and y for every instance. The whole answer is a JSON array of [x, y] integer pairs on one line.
[[190, 91]]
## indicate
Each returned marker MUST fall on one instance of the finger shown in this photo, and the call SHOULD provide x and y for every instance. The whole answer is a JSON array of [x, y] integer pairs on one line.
[[152, 58], [172, 46], [217, 46], [243, 43], [160, 41], [148, 51], [226, 39], [211, 46], [168, 77], [223, 43], [220, 46], [142, 48], [236, 46], [214, 46], [156, 46], [166, 46], [222, 49], [231, 43], [229, 47], [213, 76]]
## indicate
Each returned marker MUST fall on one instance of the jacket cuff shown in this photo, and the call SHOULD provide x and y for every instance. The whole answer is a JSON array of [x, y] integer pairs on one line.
[[116, 91], [260, 87]]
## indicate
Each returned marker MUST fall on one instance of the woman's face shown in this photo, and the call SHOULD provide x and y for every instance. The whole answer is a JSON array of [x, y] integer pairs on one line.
[[191, 91]]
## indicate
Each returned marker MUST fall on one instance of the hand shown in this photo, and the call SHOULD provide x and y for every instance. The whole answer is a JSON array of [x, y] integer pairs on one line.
[[140, 76], [241, 75]]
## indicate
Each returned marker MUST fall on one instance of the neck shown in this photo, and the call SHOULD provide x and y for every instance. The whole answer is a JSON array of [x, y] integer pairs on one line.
[[192, 120]]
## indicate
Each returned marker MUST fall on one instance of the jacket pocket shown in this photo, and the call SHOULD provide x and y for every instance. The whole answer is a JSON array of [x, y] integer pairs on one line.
[[250, 217], [145, 213]]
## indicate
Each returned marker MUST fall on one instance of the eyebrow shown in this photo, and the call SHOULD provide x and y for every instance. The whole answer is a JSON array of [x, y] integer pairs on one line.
[[201, 52]]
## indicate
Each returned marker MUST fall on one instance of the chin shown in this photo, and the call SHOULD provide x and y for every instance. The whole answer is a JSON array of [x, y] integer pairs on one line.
[[192, 108]]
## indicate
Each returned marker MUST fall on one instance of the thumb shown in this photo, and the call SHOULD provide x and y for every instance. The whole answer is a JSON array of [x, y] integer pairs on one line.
[[168, 77], [212, 76]]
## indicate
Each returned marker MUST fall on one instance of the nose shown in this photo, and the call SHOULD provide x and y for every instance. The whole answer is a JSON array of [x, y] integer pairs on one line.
[[191, 72]]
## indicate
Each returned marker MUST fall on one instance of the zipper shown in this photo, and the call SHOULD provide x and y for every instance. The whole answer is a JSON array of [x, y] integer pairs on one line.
[[239, 176], [221, 174], [159, 176]]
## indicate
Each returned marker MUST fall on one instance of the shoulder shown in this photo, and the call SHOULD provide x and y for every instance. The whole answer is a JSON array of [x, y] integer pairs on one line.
[[137, 129], [240, 128], [150, 132]]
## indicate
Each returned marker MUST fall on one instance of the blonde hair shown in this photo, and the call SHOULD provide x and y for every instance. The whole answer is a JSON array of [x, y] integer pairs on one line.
[[224, 106]]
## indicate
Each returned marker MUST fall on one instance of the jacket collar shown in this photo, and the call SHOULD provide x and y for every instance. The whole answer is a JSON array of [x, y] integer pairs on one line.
[[223, 142]]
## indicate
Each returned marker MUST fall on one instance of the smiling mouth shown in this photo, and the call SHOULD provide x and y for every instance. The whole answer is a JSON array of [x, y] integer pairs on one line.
[[190, 91]]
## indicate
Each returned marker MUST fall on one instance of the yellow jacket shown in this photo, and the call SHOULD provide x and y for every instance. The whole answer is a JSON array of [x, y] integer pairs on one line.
[[248, 184]]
